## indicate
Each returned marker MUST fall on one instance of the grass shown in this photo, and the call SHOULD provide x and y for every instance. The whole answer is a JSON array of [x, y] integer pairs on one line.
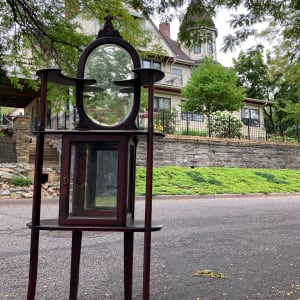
[[107, 201], [194, 132], [218, 180]]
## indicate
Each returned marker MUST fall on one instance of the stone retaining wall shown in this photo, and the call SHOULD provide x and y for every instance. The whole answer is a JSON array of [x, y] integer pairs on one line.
[[22, 137], [15, 148], [50, 189], [202, 152], [7, 150]]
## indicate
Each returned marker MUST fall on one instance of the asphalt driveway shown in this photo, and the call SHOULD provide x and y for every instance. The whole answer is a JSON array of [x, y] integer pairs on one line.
[[254, 241]]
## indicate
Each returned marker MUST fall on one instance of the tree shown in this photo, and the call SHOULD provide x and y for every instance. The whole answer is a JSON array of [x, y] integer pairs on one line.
[[212, 88], [48, 28], [286, 76], [37, 17], [253, 73], [49, 34], [2, 69]]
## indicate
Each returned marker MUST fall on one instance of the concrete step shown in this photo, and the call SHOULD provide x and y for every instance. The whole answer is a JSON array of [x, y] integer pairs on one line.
[[51, 156]]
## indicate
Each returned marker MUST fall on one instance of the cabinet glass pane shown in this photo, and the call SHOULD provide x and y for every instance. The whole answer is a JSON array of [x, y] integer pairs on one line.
[[94, 177]]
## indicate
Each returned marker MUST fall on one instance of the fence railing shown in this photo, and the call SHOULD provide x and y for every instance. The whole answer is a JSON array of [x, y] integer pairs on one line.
[[7, 120], [198, 125], [214, 126]]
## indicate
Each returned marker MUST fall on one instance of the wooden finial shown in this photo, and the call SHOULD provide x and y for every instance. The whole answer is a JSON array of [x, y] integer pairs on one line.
[[108, 28]]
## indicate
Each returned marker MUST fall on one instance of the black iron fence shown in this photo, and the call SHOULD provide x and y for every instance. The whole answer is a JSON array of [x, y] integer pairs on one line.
[[221, 126], [224, 126], [7, 120]]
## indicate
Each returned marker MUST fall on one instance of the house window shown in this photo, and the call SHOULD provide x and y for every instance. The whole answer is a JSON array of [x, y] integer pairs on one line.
[[250, 117], [176, 77], [146, 63], [190, 116], [156, 65], [151, 64], [161, 103], [197, 48], [177, 72], [209, 46]]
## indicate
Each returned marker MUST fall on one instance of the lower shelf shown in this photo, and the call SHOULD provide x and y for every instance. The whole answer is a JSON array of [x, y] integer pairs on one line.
[[136, 226]]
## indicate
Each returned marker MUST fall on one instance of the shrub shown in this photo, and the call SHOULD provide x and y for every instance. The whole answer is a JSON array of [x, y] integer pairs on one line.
[[166, 120], [224, 124], [21, 181]]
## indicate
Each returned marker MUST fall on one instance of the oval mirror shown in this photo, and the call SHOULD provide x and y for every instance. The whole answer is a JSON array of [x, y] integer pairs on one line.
[[106, 103]]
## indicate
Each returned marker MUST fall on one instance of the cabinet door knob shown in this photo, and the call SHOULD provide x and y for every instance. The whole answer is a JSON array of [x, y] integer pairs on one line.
[[65, 180]]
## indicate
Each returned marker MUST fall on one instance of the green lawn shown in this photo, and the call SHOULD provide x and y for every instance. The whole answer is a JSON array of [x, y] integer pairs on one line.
[[218, 180]]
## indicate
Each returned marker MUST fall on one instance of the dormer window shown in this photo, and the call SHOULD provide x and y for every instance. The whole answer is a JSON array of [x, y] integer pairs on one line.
[[197, 48], [209, 47]]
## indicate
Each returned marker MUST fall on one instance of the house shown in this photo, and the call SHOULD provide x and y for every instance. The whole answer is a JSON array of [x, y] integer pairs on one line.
[[175, 61], [177, 64]]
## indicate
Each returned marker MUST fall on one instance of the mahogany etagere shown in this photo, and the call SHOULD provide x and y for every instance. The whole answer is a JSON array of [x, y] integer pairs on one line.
[[98, 161]]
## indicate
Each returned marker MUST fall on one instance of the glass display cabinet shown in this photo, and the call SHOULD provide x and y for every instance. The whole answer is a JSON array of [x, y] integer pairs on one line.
[[98, 158]]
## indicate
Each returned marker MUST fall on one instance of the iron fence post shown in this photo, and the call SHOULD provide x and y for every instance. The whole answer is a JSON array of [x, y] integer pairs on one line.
[[65, 115], [229, 127], [209, 125], [163, 115], [187, 122]]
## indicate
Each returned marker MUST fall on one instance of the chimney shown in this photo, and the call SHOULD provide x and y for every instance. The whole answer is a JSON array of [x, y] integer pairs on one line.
[[164, 28]]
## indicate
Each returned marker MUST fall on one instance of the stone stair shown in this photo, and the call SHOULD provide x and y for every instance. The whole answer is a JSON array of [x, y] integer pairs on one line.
[[51, 156]]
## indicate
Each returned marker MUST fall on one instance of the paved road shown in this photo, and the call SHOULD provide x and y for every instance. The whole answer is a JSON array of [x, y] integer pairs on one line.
[[255, 241]]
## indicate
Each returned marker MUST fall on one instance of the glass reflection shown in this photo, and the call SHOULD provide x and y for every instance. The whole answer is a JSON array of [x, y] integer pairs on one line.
[[94, 178], [106, 103]]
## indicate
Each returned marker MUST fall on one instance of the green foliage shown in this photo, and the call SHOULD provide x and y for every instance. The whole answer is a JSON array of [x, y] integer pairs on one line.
[[198, 15], [225, 125], [290, 110], [285, 74], [21, 181], [166, 120], [193, 132], [217, 180], [5, 132], [212, 87], [271, 178], [2, 68], [252, 72], [164, 8], [51, 33]]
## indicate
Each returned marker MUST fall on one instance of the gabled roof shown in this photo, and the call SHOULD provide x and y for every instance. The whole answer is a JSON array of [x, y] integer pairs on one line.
[[172, 48], [176, 48], [258, 101]]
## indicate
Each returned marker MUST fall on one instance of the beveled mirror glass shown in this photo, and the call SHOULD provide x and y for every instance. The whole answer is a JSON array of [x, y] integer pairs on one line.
[[106, 103]]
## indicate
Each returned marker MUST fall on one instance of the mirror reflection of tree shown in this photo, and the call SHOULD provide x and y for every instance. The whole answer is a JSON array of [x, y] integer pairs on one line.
[[105, 103]]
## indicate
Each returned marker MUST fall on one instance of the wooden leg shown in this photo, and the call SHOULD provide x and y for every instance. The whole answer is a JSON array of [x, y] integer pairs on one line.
[[33, 266], [75, 262], [147, 261], [128, 264]]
